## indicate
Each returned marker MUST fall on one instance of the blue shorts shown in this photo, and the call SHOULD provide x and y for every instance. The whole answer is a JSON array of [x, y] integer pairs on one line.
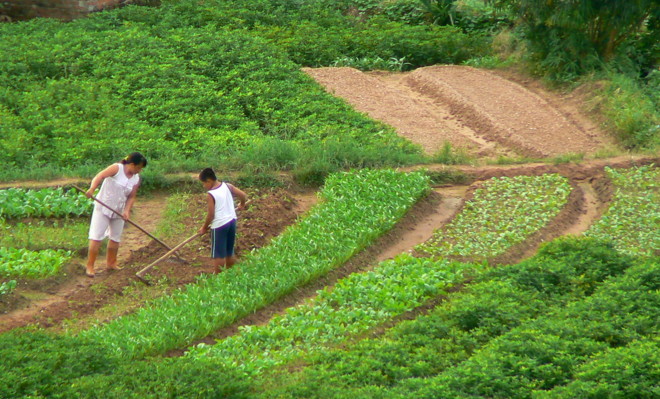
[[222, 240]]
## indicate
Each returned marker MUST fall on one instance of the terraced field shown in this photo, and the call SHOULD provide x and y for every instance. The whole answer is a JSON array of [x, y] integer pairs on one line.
[[383, 283]]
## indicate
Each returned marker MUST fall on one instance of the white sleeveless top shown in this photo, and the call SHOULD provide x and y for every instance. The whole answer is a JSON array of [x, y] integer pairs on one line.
[[115, 191], [224, 206]]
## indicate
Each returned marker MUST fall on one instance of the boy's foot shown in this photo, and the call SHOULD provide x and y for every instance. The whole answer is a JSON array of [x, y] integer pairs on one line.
[[115, 268], [89, 274]]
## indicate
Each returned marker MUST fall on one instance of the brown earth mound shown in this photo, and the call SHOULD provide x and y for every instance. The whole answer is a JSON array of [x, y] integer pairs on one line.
[[469, 108]]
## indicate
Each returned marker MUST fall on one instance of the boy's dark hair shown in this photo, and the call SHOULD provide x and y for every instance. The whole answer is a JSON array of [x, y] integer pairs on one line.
[[207, 174], [135, 158]]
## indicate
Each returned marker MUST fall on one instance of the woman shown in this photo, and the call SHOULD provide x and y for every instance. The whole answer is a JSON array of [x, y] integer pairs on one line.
[[120, 184]]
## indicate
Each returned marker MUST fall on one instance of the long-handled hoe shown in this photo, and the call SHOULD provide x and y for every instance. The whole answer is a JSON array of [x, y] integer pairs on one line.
[[140, 274], [134, 224]]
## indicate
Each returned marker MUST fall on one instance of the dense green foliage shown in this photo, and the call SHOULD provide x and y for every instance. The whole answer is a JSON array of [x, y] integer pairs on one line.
[[211, 82], [19, 262], [544, 354], [50, 365], [613, 43], [632, 220], [499, 307], [356, 208], [563, 321], [6, 287], [37, 235], [571, 37], [190, 86]]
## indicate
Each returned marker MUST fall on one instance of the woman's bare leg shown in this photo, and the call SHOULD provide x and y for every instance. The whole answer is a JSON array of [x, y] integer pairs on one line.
[[93, 252], [111, 256]]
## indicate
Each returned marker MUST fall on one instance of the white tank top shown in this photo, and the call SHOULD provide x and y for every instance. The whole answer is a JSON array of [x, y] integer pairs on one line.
[[224, 206], [115, 191]]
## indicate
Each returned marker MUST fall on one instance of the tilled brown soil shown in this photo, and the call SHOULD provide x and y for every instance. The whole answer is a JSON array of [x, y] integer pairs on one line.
[[481, 111]]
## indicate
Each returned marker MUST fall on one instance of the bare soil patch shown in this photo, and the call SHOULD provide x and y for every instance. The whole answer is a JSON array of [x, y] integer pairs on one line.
[[486, 113]]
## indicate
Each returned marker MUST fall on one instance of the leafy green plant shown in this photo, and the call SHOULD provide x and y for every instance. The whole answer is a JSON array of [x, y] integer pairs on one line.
[[502, 213], [31, 264], [46, 202], [67, 234], [371, 64], [546, 353], [6, 287], [401, 359], [354, 305], [632, 219]]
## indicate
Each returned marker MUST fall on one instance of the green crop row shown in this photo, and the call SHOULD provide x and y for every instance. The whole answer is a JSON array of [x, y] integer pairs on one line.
[[564, 271], [354, 305], [604, 376], [355, 209], [46, 202], [632, 220], [545, 354], [31, 264], [504, 212], [37, 235]]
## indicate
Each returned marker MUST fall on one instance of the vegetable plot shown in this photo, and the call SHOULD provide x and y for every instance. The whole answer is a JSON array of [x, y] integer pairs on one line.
[[31, 264], [504, 212], [356, 304], [47, 202], [546, 354], [564, 271], [633, 219], [35, 235], [356, 208]]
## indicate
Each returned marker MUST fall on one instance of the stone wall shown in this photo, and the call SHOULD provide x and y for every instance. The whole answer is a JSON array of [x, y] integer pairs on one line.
[[17, 10]]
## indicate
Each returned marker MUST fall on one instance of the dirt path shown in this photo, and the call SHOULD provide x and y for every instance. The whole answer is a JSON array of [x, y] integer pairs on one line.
[[487, 114]]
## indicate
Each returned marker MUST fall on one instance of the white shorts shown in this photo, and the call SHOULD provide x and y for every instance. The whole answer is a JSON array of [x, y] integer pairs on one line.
[[103, 226]]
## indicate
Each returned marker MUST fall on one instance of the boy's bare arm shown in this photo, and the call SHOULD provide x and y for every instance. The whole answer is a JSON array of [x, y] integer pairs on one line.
[[242, 197]]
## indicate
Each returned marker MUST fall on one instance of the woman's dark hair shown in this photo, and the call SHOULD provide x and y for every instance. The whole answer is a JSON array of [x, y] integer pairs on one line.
[[207, 174], [135, 158]]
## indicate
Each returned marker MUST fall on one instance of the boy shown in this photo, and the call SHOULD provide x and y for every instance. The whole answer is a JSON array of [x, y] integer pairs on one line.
[[221, 218]]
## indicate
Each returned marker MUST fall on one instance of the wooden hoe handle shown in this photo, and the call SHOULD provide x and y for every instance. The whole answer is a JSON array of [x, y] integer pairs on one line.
[[154, 263]]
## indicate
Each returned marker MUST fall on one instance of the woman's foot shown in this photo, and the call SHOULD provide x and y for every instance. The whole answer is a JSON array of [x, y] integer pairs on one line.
[[115, 268], [89, 273]]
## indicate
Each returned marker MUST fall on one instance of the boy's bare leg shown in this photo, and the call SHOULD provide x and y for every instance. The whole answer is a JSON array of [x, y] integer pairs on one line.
[[111, 256], [93, 252], [219, 264]]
